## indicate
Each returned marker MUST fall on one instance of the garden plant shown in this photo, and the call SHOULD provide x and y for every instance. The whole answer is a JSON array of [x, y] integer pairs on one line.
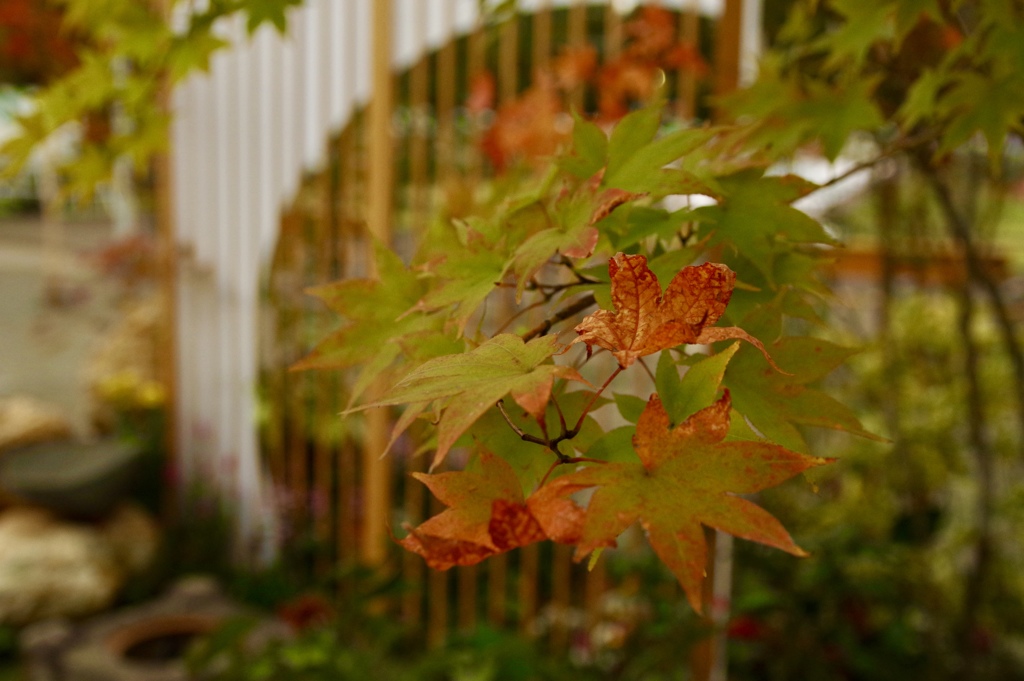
[[633, 328]]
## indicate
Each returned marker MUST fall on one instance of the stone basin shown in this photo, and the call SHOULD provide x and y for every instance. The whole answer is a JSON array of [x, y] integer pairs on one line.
[[75, 479], [147, 642]]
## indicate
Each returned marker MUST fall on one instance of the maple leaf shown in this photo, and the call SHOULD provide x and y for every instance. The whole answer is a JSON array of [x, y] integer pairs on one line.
[[574, 67], [573, 233], [755, 218], [271, 11], [377, 327], [777, 403], [468, 384], [482, 92], [527, 127], [487, 514], [687, 477], [645, 321]]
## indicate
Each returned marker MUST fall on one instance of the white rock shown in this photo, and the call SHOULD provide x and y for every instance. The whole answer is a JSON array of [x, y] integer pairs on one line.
[[52, 568]]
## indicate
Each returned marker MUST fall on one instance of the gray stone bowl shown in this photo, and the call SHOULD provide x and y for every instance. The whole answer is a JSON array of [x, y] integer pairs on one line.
[[74, 479]]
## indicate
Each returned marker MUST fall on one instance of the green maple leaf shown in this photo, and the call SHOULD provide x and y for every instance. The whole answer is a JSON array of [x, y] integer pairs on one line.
[[192, 52], [377, 324], [789, 113], [991, 105], [866, 23], [755, 217], [920, 102], [637, 159], [680, 397], [777, 403], [683, 397], [571, 233], [589, 149], [273, 11], [909, 12], [463, 277], [686, 477], [643, 169], [468, 384]]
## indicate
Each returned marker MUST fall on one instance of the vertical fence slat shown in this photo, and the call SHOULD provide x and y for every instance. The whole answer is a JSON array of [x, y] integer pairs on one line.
[[577, 39], [412, 564], [689, 25], [165, 176], [467, 593], [497, 589], [612, 33], [377, 469], [561, 594], [413, 568], [508, 60], [529, 565], [541, 37], [437, 596]]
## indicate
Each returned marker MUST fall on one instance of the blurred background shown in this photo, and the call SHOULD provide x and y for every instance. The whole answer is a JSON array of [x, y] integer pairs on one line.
[[174, 503]]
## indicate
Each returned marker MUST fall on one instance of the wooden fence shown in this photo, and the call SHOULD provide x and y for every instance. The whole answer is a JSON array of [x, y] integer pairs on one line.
[[385, 175]]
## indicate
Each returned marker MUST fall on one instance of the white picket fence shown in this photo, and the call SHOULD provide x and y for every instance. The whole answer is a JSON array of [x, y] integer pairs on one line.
[[243, 136]]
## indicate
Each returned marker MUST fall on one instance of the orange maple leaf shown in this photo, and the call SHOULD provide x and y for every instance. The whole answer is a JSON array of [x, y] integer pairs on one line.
[[528, 127], [487, 515], [645, 321], [686, 477]]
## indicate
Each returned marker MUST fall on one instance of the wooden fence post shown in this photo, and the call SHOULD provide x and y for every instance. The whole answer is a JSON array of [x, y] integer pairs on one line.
[[167, 252], [377, 470]]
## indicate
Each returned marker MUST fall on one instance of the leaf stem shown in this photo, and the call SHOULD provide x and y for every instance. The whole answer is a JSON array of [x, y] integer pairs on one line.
[[593, 398], [558, 408], [641, 362], [547, 475]]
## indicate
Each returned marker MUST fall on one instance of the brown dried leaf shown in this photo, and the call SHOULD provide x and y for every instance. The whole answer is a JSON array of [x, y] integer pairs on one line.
[[644, 320], [487, 515]]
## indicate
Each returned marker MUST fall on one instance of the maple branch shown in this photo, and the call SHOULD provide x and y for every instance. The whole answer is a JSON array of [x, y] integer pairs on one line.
[[560, 316], [566, 434], [581, 278], [905, 144], [517, 315], [523, 435]]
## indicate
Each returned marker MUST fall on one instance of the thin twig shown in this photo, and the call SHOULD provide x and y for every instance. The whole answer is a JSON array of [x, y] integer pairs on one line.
[[531, 306], [563, 314], [905, 144], [983, 456], [523, 435], [580, 277]]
